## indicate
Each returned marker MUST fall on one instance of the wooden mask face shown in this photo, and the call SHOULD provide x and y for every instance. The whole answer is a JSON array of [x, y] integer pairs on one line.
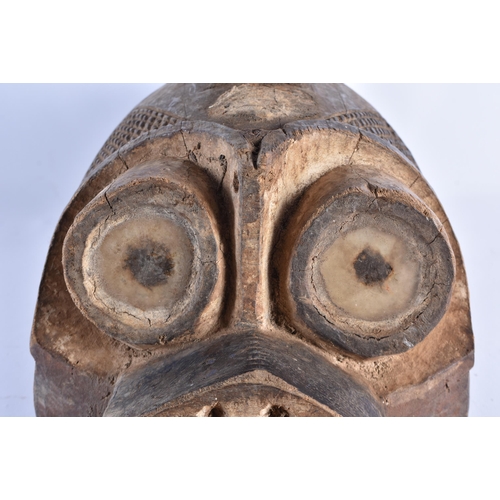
[[253, 249]]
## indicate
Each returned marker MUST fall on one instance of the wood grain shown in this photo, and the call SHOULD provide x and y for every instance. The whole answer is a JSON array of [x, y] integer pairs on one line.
[[253, 249]]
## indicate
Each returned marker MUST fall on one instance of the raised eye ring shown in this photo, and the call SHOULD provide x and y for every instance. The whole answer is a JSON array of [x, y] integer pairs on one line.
[[142, 259], [368, 264]]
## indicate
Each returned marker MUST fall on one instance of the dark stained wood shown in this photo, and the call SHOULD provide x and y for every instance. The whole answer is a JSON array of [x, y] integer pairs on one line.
[[209, 261], [63, 390], [446, 394], [161, 381]]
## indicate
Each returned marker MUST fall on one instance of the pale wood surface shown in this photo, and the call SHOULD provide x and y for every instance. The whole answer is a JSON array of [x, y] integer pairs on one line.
[[252, 154]]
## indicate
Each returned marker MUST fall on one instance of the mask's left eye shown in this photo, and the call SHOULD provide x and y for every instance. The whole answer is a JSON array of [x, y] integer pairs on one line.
[[141, 260]]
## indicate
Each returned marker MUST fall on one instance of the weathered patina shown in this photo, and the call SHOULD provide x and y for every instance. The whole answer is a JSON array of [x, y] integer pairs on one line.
[[253, 250]]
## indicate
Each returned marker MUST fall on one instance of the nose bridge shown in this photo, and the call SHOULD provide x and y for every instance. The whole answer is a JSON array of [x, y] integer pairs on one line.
[[244, 182], [264, 186]]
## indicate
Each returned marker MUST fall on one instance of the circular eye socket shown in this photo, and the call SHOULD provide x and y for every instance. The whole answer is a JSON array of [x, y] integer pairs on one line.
[[140, 261], [371, 272], [144, 262], [140, 266]]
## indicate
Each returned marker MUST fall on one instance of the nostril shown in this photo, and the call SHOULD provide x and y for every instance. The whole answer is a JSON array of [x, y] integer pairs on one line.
[[217, 411], [275, 411]]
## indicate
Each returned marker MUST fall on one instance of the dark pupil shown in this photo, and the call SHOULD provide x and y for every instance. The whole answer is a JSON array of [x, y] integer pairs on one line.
[[371, 267], [150, 263]]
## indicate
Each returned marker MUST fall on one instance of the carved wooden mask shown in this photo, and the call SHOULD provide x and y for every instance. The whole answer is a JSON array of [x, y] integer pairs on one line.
[[253, 249]]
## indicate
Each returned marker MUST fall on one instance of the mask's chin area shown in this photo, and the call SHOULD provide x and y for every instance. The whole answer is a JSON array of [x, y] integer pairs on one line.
[[244, 373]]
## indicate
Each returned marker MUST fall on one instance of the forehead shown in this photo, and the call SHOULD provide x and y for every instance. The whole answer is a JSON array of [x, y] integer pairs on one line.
[[249, 107]]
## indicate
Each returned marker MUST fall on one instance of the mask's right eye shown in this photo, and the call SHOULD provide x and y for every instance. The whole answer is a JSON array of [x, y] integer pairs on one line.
[[142, 259], [366, 264]]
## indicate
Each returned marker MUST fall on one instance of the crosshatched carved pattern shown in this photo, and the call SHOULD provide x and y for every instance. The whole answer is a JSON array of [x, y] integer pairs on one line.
[[140, 121], [374, 123]]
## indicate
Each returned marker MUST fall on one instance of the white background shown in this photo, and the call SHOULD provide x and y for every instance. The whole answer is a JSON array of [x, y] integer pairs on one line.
[[50, 134]]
